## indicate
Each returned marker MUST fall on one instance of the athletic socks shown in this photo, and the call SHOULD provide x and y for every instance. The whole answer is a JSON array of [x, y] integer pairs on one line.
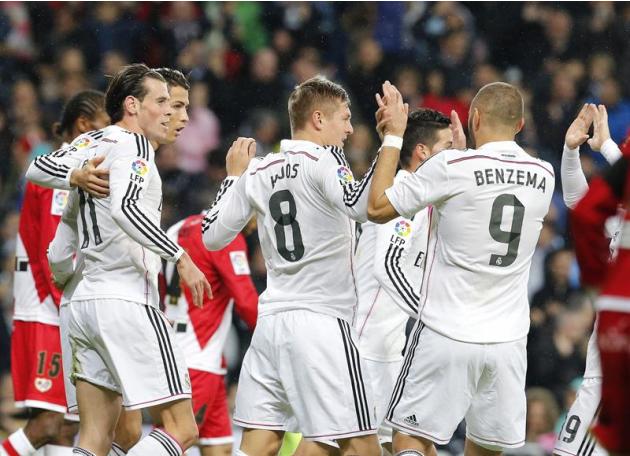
[[157, 443], [116, 450], [17, 445]]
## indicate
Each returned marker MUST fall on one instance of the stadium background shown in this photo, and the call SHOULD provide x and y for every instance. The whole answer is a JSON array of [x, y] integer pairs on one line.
[[243, 60]]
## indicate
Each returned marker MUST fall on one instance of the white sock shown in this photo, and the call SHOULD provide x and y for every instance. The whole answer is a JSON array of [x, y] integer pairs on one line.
[[157, 443], [116, 450], [240, 453], [19, 443], [81, 452], [57, 450]]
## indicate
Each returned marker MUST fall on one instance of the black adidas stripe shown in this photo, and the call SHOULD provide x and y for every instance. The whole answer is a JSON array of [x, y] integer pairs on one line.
[[50, 168], [357, 361], [397, 277], [402, 376], [143, 224], [156, 230], [48, 171], [86, 235], [356, 377], [77, 450], [169, 369], [140, 144], [117, 449], [165, 442], [353, 191], [209, 219], [169, 351]]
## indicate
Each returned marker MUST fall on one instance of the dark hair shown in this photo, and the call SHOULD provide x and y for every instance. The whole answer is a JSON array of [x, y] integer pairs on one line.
[[174, 78], [422, 127], [315, 93], [128, 81], [86, 103]]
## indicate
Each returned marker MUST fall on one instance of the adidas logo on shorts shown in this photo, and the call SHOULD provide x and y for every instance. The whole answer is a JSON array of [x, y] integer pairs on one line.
[[411, 420]]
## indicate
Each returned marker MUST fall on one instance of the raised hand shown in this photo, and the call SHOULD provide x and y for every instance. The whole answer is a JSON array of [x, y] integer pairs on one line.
[[239, 156], [459, 138], [92, 179], [577, 133], [395, 112], [601, 132]]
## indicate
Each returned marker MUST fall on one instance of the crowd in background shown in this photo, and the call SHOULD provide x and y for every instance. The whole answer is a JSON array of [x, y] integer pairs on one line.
[[244, 58]]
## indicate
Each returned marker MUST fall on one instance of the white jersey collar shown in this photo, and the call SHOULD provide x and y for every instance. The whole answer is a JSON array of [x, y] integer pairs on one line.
[[500, 146], [290, 144]]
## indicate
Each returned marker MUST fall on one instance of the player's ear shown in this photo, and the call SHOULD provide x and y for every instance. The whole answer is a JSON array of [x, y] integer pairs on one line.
[[318, 120], [83, 124], [520, 125], [476, 119], [422, 152], [131, 104]]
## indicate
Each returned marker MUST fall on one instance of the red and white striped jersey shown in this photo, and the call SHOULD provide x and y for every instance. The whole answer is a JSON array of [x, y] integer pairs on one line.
[[201, 332], [36, 298]]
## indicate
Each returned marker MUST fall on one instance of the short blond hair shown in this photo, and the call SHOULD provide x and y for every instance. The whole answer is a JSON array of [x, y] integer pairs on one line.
[[502, 103], [315, 93]]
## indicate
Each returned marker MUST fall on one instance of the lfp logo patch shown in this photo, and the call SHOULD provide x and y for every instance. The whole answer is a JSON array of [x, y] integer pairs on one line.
[[81, 143], [402, 228], [344, 175], [140, 167]]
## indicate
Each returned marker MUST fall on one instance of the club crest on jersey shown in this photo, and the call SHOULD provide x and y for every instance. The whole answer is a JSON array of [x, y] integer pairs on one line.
[[81, 143], [43, 384], [402, 228], [344, 175], [140, 167], [239, 262]]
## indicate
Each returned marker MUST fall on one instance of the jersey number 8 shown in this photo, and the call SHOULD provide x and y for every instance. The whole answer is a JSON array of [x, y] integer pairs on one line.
[[284, 215]]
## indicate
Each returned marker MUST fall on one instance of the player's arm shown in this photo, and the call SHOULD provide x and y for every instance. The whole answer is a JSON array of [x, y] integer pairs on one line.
[[232, 264], [393, 122], [68, 168], [589, 218], [64, 245], [129, 176], [390, 253], [231, 210]]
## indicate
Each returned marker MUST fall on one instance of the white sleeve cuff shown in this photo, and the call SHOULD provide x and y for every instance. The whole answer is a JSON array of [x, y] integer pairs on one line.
[[610, 151], [573, 153]]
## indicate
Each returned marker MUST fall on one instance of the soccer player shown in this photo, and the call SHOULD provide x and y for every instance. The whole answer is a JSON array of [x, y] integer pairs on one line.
[[36, 352], [613, 304], [115, 329], [201, 333], [468, 348], [575, 439], [390, 263], [303, 370]]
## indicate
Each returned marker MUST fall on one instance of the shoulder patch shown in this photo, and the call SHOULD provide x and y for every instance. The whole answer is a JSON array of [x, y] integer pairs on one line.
[[402, 228], [239, 262], [140, 167], [59, 201], [82, 142], [344, 175]]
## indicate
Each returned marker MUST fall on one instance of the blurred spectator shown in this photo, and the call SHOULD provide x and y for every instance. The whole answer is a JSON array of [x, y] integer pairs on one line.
[[542, 414], [366, 76]]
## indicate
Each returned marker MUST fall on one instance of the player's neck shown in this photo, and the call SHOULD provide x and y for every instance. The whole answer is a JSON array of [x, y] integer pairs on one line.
[[130, 124], [305, 135], [482, 138]]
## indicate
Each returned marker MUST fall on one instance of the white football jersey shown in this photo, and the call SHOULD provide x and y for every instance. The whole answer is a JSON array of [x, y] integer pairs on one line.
[[489, 206], [390, 262], [304, 198], [120, 235]]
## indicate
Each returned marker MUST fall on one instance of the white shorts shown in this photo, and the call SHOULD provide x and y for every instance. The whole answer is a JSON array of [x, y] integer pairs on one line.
[[383, 376], [443, 381], [575, 439], [125, 347], [303, 372], [593, 362], [66, 358]]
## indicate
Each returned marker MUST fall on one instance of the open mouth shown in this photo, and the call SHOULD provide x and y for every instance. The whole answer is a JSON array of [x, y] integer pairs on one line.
[[178, 131]]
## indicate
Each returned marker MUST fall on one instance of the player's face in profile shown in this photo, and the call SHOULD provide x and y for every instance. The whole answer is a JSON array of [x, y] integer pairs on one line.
[[155, 110], [179, 118], [100, 120], [337, 125], [444, 140]]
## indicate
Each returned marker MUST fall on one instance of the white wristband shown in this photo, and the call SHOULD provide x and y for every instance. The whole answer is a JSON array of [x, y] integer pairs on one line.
[[392, 141]]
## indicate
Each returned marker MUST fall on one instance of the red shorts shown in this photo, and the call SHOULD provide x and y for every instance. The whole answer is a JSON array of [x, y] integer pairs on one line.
[[613, 339], [209, 399], [36, 366]]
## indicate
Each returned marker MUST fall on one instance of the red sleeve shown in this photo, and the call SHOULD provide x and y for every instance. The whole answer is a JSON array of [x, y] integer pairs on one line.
[[237, 279], [588, 222], [37, 229]]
